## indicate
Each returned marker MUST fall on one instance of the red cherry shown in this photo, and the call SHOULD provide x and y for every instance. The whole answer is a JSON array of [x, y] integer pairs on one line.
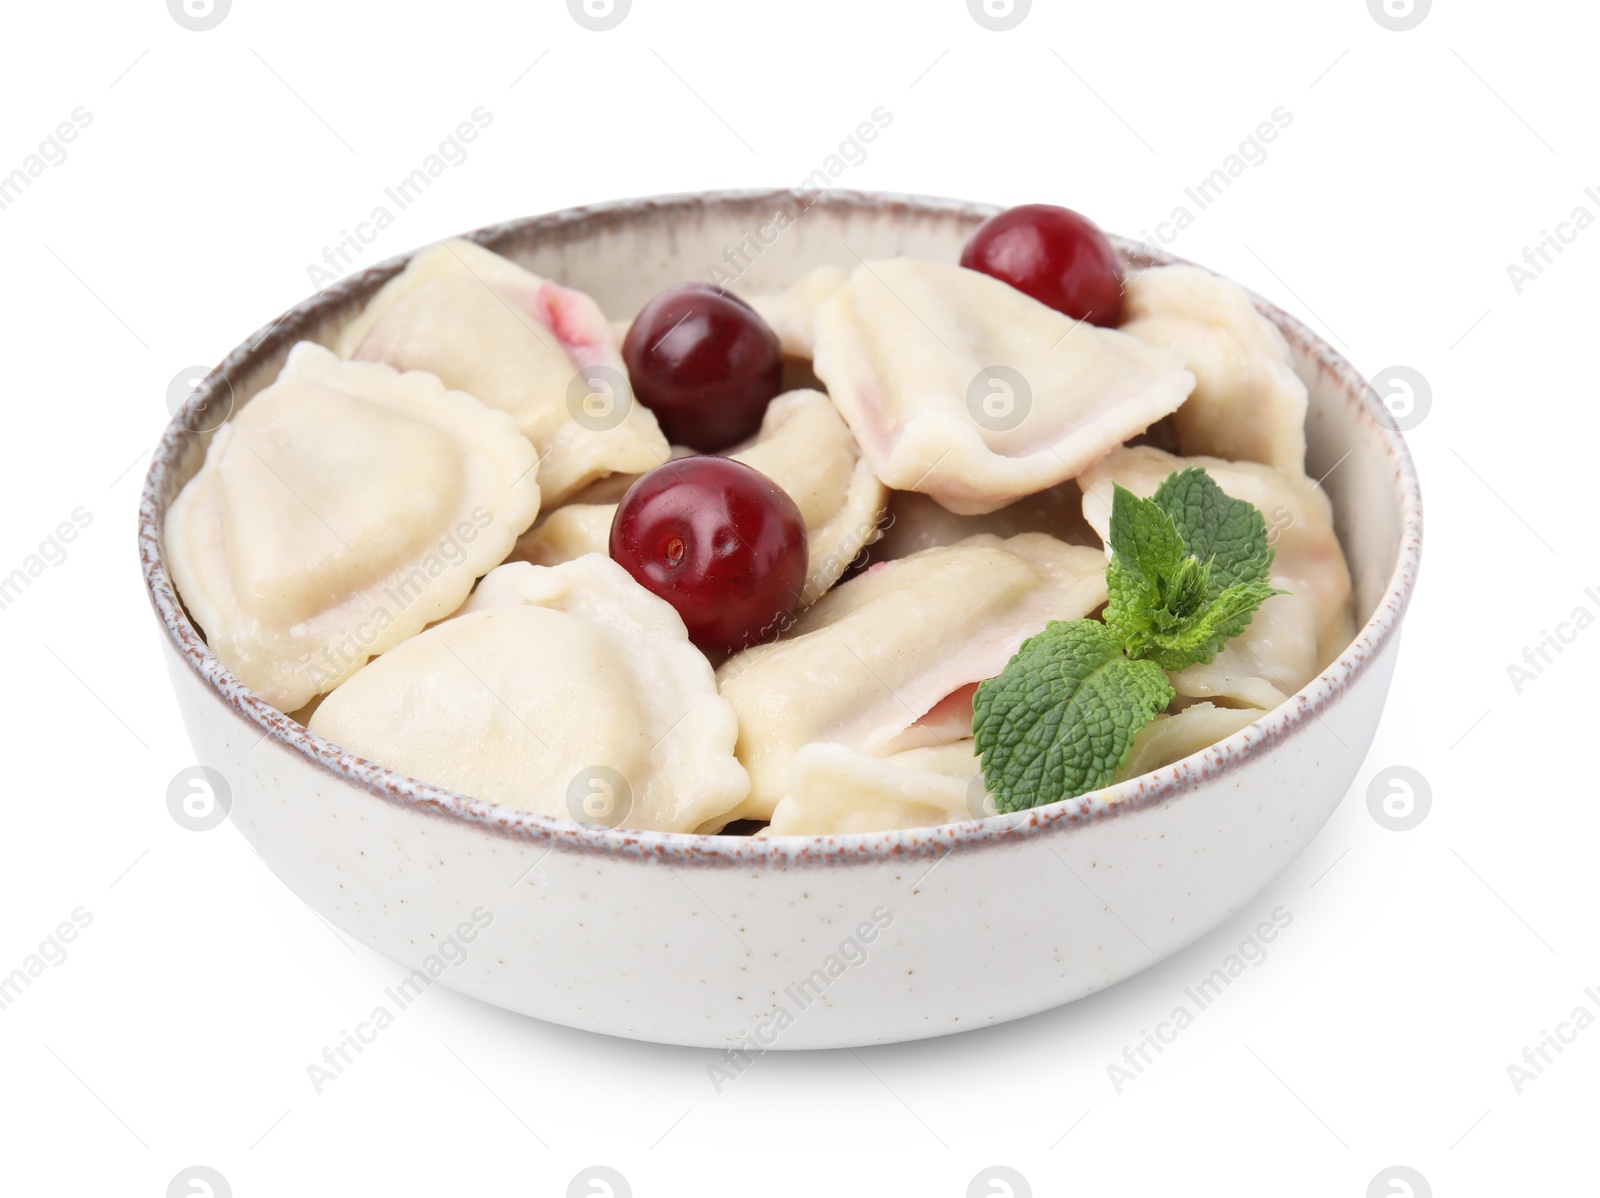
[[1055, 255], [721, 542], [705, 363]]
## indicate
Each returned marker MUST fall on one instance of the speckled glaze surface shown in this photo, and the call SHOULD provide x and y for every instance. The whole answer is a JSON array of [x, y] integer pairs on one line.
[[806, 941]]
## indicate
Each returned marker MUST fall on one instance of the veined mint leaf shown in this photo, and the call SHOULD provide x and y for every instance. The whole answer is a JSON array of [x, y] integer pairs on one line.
[[1202, 637], [1145, 548], [1228, 534], [1166, 593], [1060, 720]]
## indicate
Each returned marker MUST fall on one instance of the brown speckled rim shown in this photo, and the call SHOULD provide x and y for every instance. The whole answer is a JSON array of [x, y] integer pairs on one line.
[[690, 850]]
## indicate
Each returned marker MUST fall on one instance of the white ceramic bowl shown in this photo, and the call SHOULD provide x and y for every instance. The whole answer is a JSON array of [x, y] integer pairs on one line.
[[801, 942]]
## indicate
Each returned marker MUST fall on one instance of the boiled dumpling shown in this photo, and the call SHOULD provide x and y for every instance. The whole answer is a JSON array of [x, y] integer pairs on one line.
[[1269, 661], [789, 312], [836, 789], [341, 510], [519, 343], [805, 448], [570, 691], [916, 522], [871, 658], [610, 489], [1291, 637], [917, 354], [566, 534], [1248, 404], [1171, 738]]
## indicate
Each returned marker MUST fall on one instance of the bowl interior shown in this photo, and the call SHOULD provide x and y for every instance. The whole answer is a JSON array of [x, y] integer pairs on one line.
[[623, 253]]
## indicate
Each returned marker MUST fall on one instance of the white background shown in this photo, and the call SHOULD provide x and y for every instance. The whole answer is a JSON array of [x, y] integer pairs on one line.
[[1419, 964]]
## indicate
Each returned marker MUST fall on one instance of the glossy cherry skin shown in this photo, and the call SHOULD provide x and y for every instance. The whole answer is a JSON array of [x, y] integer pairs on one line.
[[721, 542], [705, 363], [1055, 255]]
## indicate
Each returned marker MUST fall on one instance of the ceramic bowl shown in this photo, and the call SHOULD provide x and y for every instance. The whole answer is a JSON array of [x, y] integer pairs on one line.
[[801, 942]]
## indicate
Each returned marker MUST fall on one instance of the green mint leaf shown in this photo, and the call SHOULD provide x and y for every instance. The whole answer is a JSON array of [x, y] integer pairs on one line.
[[1146, 548], [1201, 637], [1228, 534], [1183, 610], [1060, 720], [1186, 591]]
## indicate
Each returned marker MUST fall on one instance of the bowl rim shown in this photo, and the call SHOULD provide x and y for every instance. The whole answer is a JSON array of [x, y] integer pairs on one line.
[[712, 851]]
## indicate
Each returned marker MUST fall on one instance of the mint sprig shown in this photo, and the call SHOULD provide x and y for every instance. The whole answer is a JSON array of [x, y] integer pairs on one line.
[[1189, 567], [1062, 715]]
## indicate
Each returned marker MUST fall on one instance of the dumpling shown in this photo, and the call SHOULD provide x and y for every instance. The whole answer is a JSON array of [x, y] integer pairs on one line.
[[836, 789], [1248, 404], [611, 488], [566, 534], [1171, 738], [1291, 637], [962, 387], [1269, 661], [806, 449], [340, 511], [519, 343], [789, 312], [569, 690], [917, 522], [876, 654]]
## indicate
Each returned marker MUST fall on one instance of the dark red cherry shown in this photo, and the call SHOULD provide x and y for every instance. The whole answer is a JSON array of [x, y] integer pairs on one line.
[[705, 363], [721, 542], [1057, 256]]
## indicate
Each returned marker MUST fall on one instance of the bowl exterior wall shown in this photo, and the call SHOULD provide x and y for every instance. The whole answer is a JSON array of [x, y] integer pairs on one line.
[[850, 955]]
